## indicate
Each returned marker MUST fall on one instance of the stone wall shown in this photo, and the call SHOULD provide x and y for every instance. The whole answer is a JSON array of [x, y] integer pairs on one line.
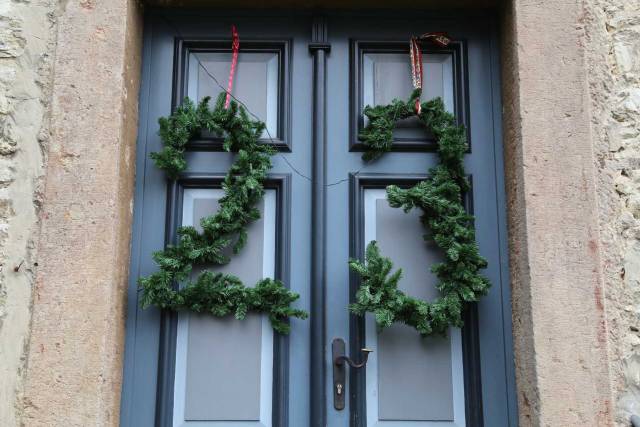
[[613, 40], [27, 41]]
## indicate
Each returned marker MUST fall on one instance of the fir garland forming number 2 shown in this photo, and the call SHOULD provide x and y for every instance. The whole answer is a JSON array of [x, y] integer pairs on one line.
[[216, 293], [440, 200]]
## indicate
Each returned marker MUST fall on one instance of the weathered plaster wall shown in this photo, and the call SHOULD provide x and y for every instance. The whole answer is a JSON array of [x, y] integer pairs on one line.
[[613, 45], [27, 42]]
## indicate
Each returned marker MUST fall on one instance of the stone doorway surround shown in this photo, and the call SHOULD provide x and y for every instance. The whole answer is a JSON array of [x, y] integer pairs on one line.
[[75, 357]]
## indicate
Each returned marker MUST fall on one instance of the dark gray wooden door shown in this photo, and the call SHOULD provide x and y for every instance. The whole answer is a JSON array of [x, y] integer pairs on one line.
[[466, 378], [308, 79]]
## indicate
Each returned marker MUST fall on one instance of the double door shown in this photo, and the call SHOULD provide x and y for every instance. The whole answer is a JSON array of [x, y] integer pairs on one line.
[[308, 78]]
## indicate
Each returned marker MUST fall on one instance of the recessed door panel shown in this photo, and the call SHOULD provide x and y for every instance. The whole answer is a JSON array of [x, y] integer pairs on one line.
[[224, 367], [387, 76], [381, 72], [255, 82], [410, 380], [191, 369]]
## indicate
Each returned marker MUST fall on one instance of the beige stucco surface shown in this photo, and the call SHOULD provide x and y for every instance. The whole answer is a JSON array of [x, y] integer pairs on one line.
[[560, 329], [69, 74]]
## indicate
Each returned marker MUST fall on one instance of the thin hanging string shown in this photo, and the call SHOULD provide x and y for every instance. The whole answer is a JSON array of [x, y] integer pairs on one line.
[[251, 113], [438, 38], [229, 94]]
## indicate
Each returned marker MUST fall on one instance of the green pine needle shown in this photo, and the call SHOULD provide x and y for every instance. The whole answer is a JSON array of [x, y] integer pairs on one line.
[[217, 294], [444, 217]]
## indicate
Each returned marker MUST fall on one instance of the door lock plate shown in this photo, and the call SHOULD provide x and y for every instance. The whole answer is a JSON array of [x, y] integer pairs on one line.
[[339, 373]]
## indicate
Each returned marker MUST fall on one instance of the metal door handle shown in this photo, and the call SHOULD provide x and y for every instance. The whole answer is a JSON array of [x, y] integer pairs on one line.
[[365, 358], [340, 360]]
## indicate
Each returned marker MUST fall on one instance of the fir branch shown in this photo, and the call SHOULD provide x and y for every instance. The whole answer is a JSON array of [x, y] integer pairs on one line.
[[215, 293], [440, 199]]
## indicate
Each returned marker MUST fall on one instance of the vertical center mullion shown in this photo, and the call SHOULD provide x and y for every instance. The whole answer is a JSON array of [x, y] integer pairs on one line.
[[319, 47]]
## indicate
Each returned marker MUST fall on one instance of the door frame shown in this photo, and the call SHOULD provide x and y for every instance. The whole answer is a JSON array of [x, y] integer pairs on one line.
[[471, 341], [319, 49], [104, 191]]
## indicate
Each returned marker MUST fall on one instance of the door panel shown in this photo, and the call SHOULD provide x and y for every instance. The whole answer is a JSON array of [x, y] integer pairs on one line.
[[387, 76], [188, 370], [256, 80], [224, 368], [412, 381], [477, 390], [261, 80], [380, 71], [409, 378], [192, 370]]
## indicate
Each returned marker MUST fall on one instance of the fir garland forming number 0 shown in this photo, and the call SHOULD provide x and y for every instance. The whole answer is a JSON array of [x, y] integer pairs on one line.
[[216, 293], [451, 227]]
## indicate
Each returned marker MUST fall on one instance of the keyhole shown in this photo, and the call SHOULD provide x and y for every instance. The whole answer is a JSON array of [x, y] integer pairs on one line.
[[339, 389]]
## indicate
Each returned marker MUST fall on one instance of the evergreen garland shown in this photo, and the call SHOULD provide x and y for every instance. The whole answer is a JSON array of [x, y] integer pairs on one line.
[[216, 293], [440, 200]]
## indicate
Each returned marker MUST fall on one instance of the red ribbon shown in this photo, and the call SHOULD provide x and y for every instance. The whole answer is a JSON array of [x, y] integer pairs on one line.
[[415, 52], [235, 47], [416, 67], [439, 38]]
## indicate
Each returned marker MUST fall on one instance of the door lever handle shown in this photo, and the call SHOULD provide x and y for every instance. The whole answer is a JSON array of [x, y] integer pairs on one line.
[[340, 360]]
